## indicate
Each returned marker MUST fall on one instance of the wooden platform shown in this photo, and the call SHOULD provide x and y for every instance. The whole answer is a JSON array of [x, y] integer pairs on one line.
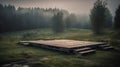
[[64, 43], [69, 46]]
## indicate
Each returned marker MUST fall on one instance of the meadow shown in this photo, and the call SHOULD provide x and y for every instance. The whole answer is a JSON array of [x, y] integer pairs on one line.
[[10, 51]]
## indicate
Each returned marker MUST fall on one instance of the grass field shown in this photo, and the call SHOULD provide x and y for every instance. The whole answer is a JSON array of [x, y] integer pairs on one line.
[[10, 51]]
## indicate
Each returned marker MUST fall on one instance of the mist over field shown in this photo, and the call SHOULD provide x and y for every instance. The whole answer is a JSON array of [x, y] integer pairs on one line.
[[73, 6], [59, 33]]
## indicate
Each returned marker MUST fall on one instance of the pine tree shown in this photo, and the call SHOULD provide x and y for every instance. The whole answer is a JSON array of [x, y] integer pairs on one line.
[[117, 20], [58, 24], [98, 16], [109, 19]]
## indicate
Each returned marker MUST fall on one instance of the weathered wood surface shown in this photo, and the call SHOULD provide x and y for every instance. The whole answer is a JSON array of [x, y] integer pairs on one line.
[[64, 43]]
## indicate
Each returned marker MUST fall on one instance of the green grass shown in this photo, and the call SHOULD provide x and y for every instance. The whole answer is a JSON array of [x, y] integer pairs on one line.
[[11, 51]]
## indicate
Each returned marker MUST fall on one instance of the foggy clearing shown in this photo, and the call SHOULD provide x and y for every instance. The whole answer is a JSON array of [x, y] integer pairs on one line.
[[59, 33]]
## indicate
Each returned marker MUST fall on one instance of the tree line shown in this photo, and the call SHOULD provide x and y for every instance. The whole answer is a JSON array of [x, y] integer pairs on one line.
[[100, 18], [14, 19]]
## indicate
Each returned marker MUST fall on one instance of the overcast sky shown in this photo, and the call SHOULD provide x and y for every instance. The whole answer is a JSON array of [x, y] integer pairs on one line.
[[73, 6]]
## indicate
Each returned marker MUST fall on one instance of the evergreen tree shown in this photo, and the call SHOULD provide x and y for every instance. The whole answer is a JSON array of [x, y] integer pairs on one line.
[[117, 20], [71, 21], [109, 19], [58, 24], [98, 16]]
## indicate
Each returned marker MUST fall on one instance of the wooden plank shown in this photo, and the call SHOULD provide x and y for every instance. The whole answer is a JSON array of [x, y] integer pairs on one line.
[[64, 43], [86, 52], [82, 49]]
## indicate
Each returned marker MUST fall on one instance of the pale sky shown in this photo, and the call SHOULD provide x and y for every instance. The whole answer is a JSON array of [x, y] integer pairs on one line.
[[73, 6]]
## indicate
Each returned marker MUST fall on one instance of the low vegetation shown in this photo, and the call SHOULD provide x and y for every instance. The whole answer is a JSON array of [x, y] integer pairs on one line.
[[10, 51], [24, 24]]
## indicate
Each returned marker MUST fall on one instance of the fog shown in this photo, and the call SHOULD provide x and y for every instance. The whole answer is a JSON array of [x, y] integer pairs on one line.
[[73, 6]]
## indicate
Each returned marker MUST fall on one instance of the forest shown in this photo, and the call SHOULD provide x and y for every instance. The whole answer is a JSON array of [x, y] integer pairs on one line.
[[19, 24], [15, 19]]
